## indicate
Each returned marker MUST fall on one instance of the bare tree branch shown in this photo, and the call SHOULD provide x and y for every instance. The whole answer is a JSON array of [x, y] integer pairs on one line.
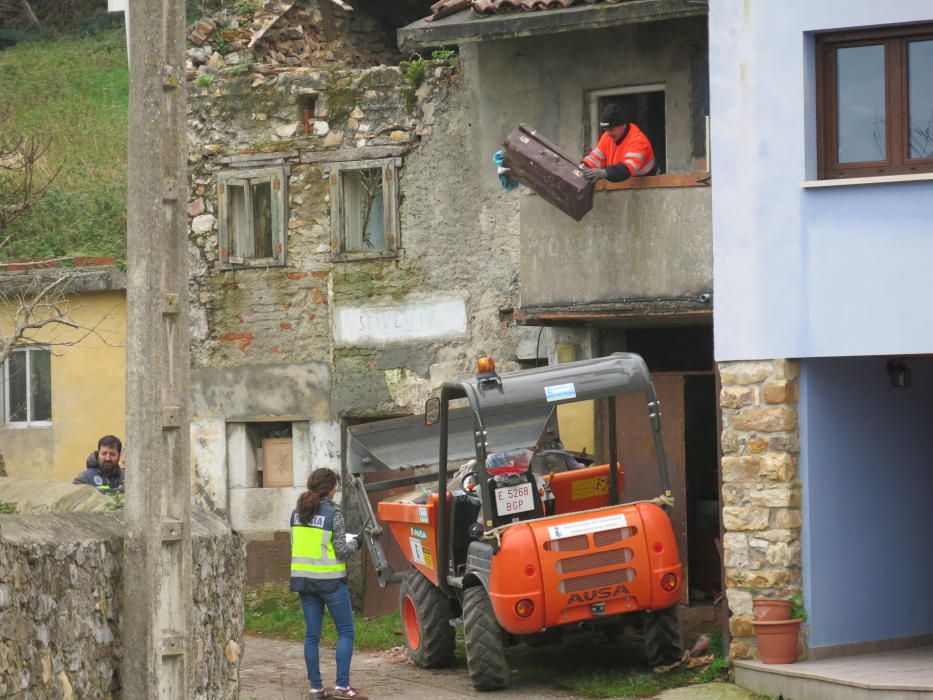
[[20, 188], [35, 302]]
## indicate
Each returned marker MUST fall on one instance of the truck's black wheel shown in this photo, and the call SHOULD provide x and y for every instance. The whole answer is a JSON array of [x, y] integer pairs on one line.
[[485, 646], [664, 643], [426, 616]]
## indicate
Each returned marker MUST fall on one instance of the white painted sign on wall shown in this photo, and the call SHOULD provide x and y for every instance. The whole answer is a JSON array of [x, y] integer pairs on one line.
[[402, 322]]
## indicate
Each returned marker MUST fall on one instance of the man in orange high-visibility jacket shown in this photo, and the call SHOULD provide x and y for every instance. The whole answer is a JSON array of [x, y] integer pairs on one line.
[[623, 150]]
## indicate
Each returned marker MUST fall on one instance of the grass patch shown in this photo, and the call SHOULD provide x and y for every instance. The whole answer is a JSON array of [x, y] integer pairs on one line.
[[601, 669], [274, 611], [597, 669], [7, 508], [74, 92]]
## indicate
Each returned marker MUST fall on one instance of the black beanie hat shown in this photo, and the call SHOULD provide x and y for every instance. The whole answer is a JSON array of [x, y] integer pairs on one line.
[[612, 116]]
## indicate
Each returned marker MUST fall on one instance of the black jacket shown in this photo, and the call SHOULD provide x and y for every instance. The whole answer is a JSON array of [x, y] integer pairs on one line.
[[94, 476]]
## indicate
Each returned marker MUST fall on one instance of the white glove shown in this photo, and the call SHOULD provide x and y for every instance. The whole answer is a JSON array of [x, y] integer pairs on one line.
[[353, 541], [502, 171]]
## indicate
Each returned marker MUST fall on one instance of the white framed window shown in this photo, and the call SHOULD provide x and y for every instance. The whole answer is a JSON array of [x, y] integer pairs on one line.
[[364, 209], [642, 104], [252, 213], [27, 388]]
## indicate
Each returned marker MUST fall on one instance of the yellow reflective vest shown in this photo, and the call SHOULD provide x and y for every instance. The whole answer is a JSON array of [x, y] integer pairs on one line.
[[313, 555]]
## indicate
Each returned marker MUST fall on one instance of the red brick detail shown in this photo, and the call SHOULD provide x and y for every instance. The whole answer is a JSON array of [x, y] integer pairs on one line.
[[243, 340], [320, 274], [285, 326], [296, 275], [286, 306], [232, 286], [274, 348]]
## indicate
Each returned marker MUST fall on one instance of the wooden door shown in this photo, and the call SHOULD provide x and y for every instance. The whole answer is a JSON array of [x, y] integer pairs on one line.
[[636, 451]]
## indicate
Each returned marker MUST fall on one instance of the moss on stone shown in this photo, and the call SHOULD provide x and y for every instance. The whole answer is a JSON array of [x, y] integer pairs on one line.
[[340, 102], [376, 279]]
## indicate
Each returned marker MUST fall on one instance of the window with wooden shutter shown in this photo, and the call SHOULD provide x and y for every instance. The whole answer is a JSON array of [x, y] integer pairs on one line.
[[364, 209], [253, 217]]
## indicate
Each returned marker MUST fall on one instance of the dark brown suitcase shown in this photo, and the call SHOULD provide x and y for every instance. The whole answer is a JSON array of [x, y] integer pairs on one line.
[[548, 171]]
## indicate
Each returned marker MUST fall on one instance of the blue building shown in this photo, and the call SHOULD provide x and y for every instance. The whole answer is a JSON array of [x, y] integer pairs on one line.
[[822, 159]]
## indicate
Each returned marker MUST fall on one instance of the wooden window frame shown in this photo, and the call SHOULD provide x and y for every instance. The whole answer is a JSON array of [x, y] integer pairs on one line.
[[390, 202], [897, 93], [278, 178], [5, 386]]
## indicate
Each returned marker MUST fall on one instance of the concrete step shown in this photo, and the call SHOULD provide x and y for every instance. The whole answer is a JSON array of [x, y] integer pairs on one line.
[[896, 675]]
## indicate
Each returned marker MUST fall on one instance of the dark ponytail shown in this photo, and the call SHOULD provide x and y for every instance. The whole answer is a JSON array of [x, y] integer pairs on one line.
[[320, 484]]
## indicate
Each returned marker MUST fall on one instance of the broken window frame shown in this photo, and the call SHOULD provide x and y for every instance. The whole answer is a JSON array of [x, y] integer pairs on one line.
[[5, 386], [277, 177], [593, 132], [390, 209]]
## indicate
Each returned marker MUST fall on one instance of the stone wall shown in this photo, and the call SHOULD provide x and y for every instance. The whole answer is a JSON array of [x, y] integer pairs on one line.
[[61, 605], [760, 490]]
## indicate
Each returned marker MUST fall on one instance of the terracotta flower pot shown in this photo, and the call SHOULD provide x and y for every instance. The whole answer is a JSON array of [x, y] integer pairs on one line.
[[777, 640], [771, 609]]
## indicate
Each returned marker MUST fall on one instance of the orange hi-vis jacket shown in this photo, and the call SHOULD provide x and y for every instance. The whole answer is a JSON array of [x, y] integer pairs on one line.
[[634, 151]]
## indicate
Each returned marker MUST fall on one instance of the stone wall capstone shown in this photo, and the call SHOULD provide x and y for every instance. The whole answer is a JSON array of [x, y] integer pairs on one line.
[[760, 490], [61, 605]]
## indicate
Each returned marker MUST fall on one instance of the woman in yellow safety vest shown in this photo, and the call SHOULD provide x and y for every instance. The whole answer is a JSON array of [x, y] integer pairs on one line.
[[320, 549]]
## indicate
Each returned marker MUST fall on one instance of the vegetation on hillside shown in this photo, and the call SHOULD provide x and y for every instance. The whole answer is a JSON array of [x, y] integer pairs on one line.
[[72, 93]]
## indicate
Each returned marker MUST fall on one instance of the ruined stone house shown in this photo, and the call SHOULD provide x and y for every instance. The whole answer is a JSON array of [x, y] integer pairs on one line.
[[344, 259]]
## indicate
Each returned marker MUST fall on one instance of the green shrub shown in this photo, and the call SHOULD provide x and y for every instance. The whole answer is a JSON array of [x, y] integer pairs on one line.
[[414, 70], [247, 7], [797, 611], [204, 80]]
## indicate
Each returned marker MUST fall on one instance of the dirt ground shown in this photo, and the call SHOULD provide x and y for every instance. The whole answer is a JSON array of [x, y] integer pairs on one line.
[[274, 670]]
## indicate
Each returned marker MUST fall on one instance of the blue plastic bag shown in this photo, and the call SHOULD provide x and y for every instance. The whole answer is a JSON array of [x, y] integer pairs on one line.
[[506, 180]]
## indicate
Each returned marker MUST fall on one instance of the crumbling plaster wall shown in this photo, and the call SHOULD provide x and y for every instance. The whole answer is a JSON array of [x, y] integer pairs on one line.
[[262, 330]]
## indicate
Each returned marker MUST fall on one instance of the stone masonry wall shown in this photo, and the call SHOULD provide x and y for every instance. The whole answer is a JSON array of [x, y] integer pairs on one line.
[[455, 238], [61, 606], [760, 491]]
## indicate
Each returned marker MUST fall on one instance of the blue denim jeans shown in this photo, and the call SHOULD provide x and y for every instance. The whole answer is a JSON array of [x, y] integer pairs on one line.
[[338, 603]]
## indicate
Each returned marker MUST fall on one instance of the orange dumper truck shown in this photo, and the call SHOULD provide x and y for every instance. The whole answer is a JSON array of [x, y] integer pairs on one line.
[[525, 542]]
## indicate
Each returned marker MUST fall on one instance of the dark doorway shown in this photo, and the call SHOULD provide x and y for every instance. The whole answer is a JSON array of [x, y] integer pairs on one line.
[[702, 485], [682, 357]]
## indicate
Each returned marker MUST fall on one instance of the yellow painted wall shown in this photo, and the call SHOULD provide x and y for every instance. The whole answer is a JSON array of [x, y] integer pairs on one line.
[[577, 421], [88, 392]]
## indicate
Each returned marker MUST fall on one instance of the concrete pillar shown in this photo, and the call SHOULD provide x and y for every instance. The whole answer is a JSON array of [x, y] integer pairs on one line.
[[157, 600]]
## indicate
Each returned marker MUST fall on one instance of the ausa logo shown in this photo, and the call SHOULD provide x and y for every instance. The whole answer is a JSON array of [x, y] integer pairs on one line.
[[597, 594]]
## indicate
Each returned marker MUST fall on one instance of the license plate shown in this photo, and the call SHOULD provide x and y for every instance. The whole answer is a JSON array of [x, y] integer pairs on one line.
[[514, 499]]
